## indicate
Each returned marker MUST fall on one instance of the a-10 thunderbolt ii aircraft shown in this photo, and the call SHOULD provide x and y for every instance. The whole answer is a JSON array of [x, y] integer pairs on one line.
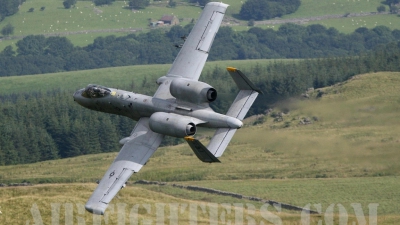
[[180, 104]]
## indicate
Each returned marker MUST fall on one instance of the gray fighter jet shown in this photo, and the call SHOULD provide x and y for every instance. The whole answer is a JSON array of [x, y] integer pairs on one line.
[[180, 105]]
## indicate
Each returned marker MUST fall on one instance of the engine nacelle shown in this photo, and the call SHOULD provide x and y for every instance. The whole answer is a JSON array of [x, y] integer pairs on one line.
[[192, 91], [172, 124]]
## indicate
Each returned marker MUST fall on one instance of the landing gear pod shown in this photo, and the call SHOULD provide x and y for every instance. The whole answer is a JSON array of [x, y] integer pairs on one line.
[[172, 124]]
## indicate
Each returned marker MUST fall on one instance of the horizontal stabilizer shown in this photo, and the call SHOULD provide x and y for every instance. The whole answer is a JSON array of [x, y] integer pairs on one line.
[[200, 150]]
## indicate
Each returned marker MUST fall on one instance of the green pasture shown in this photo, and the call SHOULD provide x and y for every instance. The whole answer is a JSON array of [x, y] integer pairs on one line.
[[86, 39], [300, 192], [311, 8], [88, 17], [86, 21], [348, 25]]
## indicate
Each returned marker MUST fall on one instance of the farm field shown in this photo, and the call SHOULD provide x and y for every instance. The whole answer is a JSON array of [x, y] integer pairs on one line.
[[86, 22], [309, 8]]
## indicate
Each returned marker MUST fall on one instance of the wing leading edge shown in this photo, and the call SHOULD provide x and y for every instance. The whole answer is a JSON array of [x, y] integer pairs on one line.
[[191, 58], [138, 148], [193, 55]]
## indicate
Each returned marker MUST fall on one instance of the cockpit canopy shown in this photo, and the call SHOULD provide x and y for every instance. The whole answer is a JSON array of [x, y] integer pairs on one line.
[[95, 91]]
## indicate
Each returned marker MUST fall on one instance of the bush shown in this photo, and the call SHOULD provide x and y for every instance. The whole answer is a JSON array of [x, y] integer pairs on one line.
[[68, 3], [7, 30], [381, 8], [250, 23], [138, 4], [103, 2]]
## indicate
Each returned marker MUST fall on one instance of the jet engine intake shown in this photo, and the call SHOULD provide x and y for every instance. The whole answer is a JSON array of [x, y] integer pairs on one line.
[[172, 124], [192, 91]]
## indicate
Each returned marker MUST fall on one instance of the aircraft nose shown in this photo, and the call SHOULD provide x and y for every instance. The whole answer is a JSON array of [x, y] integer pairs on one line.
[[77, 95]]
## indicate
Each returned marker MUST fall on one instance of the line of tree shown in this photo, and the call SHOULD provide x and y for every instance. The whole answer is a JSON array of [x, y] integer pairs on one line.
[[267, 9], [36, 54], [9, 7], [41, 126]]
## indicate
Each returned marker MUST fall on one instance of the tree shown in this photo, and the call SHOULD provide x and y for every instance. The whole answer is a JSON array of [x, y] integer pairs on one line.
[[253, 9], [68, 3], [103, 2], [139, 4], [31, 45], [266, 9], [250, 23], [394, 9], [7, 30], [172, 3], [381, 8], [31, 10], [201, 2], [58, 46], [391, 2], [8, 8], [7, 52]]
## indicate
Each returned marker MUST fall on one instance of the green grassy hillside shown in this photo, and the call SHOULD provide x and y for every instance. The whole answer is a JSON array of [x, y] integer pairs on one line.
[[354, 133], [86, 22], [111, 77], [351, 146], [310, 8]]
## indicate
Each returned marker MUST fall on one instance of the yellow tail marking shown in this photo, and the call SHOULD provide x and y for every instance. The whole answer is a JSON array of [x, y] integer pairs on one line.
[[189, 138], [231, 69]]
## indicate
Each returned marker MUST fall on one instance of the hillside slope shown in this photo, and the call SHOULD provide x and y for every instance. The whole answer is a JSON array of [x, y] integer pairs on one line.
[[349, 130], [354, 132]]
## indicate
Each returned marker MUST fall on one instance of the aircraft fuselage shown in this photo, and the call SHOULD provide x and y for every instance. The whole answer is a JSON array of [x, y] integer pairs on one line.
[[135, 106]]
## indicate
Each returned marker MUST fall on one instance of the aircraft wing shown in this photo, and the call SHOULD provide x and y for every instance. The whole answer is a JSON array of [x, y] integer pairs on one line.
[[193, 55], [138, 148]]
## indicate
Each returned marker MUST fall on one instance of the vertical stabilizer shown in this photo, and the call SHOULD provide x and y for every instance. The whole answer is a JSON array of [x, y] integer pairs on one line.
[[239, 108]]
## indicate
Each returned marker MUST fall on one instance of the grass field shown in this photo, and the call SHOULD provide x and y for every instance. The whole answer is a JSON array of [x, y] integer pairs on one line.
[[348, 25], [309, 8], [101, 21], [19, 205], [349, 154]]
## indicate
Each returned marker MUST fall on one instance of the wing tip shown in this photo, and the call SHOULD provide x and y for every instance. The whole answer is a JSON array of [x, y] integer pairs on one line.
[[221, 4], [96, 208]]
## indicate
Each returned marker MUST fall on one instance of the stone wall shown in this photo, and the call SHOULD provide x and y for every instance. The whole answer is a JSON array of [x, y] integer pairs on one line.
[[225, 193]]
